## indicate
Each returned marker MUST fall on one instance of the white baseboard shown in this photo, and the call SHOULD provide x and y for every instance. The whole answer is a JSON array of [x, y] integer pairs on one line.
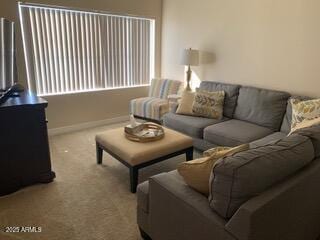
[[82, 126]]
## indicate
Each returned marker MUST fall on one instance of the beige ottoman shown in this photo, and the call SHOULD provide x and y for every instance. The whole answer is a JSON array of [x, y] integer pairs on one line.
[[137, 155]]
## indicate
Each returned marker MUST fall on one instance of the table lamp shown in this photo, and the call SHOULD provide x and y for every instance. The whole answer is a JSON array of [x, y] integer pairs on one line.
[[190, 57]]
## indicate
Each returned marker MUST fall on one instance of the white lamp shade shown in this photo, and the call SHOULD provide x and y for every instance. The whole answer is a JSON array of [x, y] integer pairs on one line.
[[190, 57]]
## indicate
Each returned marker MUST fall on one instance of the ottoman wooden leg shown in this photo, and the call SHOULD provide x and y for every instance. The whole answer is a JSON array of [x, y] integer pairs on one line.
[[189, 154], [99, 151], [133, 179]]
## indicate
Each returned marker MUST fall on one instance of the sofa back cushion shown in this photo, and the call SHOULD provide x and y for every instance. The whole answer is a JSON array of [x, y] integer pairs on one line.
[[287, 119], [236, 179], [312, 132], [162, 88], [261, 106], [231, 94]]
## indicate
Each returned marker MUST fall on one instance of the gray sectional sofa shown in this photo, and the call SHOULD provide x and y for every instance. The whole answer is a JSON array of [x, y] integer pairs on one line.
[[270, 192], [249, 114]]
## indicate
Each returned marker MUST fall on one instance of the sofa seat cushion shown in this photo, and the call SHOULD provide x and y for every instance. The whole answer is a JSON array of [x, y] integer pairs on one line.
[[268, 139], [234, 132], [231, 94], [190, 125], [143, 196], [262, 107], [236, 179]]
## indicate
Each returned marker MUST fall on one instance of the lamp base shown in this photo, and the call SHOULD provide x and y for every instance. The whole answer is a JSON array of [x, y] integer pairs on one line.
[[189, 73]]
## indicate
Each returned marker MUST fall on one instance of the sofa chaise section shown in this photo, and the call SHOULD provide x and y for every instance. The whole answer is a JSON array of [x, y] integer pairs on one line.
[[178, 212], [289, 210]]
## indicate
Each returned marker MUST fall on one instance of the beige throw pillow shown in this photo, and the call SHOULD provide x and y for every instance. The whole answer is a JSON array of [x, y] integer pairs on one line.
[[304, 111], [186, 102], [196, 173], [208, 104]]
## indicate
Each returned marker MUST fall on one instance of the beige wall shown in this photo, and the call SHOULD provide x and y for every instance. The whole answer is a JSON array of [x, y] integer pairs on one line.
[[80, 108], [264, 43]]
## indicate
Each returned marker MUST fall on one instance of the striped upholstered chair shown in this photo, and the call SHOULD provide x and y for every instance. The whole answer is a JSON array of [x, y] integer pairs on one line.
[[156, 104]]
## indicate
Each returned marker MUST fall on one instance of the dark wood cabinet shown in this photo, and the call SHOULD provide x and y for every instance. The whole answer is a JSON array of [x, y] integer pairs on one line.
[[24, 145]]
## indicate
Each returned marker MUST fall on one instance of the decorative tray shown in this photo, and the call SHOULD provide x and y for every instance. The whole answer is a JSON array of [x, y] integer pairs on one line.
[[145, 132]]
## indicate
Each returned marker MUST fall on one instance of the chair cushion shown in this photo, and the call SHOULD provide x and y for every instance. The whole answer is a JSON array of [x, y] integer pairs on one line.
[[261, 106], [190, 125], [234, 132], [149, 107], [231, 94], [268, 139], [162, 88], [236, 179]]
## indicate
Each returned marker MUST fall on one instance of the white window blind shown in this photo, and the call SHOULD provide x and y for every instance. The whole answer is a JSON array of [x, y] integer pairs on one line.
[[74, 51]]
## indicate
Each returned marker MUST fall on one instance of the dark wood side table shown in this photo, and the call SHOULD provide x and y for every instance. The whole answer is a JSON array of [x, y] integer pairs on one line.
[[24, 145]]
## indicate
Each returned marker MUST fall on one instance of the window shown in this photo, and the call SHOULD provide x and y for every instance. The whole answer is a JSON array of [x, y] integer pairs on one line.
[[7, 55], [74, 51]]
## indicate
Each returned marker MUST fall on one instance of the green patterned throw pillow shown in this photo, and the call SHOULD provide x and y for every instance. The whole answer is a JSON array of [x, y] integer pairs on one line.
[[304, 111], [208, 104]]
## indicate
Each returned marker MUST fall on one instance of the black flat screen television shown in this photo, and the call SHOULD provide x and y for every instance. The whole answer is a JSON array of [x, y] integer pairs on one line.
[[8, 71]]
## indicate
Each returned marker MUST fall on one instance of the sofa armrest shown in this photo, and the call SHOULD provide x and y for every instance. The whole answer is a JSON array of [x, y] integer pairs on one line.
[[178, 212], [288, 211]]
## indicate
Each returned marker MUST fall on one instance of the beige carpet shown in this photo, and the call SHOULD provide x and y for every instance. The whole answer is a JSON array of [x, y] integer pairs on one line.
[[86, 201]]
